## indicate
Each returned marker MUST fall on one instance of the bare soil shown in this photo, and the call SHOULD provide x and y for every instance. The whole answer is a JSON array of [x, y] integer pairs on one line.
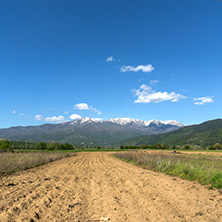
[[90, 186]]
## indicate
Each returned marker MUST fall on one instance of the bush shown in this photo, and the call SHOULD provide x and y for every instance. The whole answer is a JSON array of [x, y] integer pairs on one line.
[[50, 146], [216, 180], [5, 146], [41, 146], [68, 146], [187, 147]]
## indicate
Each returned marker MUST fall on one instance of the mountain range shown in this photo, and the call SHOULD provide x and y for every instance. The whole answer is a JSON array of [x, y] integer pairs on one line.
[[203, 135], [90, 132]]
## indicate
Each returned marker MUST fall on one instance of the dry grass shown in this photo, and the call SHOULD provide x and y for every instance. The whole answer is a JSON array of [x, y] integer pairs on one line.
[[11, 162], [203, 168]]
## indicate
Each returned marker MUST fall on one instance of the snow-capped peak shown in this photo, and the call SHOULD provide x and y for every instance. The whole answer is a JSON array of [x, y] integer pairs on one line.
[[156, 122], [126, 121], [173, 122], [85, 120], [167, 122]]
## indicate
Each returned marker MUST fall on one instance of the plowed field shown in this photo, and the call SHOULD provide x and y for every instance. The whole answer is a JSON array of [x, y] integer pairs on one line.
[[90, 186]]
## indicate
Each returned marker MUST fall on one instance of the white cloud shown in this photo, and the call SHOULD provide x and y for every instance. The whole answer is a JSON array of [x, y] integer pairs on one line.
[[203, 100], [110, 59], [81, 106], [39, 117], [153, 82], [66, 112], [75, 116], [85, 106], [143, 68], [55, 119], [14, 112], [50, 119], [146, 94]]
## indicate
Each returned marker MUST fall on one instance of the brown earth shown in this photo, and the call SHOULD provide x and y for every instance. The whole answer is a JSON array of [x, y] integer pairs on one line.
[[90, 186]]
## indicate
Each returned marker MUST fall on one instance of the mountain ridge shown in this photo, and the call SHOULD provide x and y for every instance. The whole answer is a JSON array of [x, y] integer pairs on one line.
[[87, 131], [204, 134]]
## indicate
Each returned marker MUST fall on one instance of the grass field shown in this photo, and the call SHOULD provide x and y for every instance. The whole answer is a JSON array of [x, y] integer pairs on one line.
[[207, 169], [11, 162]]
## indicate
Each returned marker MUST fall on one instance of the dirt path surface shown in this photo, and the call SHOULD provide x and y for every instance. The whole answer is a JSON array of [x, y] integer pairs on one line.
[[89, 186]]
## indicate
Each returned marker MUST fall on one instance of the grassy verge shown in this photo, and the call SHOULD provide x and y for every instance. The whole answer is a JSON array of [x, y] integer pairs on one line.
[[205, 169], [12, 162]]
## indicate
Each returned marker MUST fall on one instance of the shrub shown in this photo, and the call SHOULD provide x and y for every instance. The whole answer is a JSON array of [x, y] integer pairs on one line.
[[5, 146], [216, 180]]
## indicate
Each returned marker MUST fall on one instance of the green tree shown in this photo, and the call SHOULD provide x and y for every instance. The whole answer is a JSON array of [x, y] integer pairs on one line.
[[50, 146], [217, 146], [68, 146], [59, 146], [41, 146], [5, 146]]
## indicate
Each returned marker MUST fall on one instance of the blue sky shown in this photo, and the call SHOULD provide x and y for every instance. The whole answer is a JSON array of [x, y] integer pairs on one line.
[[147, 59]]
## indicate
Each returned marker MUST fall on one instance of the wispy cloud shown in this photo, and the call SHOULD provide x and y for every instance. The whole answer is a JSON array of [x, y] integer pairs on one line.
[[203, 100], [50, 119], [110, 59], [85, 106], [22, 114], [153, 82], [66, 112], [146, 94], [13, 112], [143, 68], [75, 116]]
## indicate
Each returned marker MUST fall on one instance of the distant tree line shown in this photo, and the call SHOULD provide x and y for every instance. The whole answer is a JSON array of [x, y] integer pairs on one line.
[[53, 146], [9, 146], [158, 146]]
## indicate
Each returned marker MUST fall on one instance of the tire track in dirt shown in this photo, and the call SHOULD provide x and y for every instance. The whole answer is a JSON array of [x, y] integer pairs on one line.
[[89, 186]]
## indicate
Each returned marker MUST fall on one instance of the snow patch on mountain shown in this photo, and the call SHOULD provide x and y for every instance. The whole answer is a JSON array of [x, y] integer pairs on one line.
[[158, 123], [129, 122]]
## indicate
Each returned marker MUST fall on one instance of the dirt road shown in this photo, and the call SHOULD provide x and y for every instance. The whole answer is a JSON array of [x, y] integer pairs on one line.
[[90, 186]]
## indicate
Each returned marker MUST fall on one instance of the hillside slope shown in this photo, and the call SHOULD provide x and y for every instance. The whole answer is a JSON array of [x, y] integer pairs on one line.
[[204, 134]]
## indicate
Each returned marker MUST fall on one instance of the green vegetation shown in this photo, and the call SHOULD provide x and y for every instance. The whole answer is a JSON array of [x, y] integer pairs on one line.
[[158, 146], [202, 135], [11, 162], [10, 146], [205, 169], [5, 146]]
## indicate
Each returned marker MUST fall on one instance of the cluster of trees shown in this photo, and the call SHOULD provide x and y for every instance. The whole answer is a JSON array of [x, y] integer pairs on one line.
[[9, 146], [53, 146], [156, 146], [216, 146]]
